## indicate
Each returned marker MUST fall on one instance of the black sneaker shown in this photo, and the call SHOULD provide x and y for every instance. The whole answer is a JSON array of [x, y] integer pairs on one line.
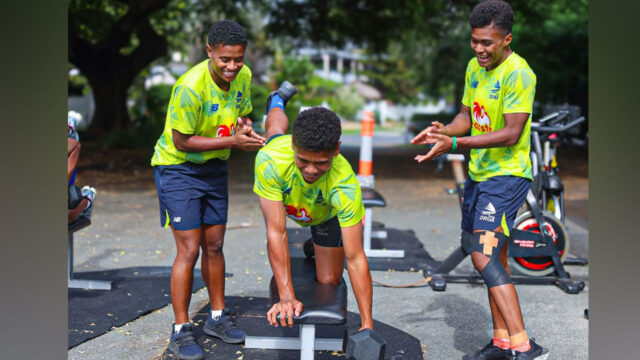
[[489, 352], [286, 92], [308, 249], [224, 328], [536, 352], [183, 344]]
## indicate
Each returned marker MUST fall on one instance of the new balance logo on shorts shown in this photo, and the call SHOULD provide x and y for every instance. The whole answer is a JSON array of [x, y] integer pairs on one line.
[[322, 230], [177, 219], [488, 213]]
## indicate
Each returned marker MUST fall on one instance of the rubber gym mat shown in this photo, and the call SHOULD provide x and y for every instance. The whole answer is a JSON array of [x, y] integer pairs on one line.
[[136, 291], [250, 315], [416, 258]]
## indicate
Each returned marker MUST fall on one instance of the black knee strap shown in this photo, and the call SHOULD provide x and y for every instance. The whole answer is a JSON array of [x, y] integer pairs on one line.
[[466, 241], [494, 274]]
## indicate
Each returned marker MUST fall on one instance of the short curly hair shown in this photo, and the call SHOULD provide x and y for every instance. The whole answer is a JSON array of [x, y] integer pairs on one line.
[[227, 32], [492, 12], [316, 129]]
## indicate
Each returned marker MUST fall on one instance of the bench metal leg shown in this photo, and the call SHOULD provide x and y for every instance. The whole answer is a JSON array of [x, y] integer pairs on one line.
[[368, 234], [81, 283], [306, 343], [89, 284]]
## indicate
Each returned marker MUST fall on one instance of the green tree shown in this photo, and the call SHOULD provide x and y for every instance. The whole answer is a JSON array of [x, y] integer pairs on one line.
[[112, 41], [414, 45], [404, 39], [347, 102], [423, 46], [556, 48]]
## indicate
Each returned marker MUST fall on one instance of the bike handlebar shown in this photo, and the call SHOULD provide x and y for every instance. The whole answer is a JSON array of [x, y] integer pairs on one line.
[[556, 129], [454, 157], [450, 157], [560, 114]]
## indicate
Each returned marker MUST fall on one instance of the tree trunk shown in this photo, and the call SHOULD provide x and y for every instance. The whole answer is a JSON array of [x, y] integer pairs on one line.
[[110, 95], [110, 73], [458, 91]]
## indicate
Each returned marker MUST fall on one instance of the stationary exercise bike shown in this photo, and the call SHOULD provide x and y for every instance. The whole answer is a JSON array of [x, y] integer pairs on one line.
[[548, 189], [544, 246]]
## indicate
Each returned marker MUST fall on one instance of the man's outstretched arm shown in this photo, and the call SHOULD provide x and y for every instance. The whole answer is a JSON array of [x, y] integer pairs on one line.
[[278, 250], [244, 139], [358, 268]]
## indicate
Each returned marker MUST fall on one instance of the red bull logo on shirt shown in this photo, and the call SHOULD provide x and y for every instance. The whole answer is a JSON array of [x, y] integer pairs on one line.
[[297, 214], [481, 122], [224, 130]]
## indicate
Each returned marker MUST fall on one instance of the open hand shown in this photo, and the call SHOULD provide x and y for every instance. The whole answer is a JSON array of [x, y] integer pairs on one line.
[[442, 144], [436, 127], [287, 310]]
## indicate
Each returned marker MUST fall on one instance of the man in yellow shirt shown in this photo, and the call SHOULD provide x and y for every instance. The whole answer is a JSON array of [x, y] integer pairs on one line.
[[496, 107], [302, 176], [190, 170]]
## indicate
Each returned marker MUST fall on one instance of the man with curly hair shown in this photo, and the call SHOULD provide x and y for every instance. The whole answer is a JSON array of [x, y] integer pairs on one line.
[[303, 176], [190, 171], [496, 107]]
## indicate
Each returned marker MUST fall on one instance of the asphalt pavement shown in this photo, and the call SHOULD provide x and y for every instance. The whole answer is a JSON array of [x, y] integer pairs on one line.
[[126, 232]]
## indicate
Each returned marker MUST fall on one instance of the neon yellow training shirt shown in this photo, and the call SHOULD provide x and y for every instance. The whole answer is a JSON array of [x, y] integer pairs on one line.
[[337, 192], [509, 88], [199, 107]]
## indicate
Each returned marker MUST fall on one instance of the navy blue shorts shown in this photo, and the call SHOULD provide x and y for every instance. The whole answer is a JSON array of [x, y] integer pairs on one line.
[[192, 194], [490, 204]]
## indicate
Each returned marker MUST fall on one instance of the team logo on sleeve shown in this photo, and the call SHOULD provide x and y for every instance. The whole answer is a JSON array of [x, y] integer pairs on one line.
[[224, 130], [481, 120], [297, 214]]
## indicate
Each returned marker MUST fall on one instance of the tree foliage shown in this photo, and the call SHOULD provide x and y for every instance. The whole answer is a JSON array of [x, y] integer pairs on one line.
[[556, 48], [112, 41], [423, 46], [412, 46], [347, 102]]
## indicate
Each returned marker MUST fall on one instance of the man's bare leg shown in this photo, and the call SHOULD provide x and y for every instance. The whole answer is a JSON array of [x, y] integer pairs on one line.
[[499, 327], [213, 264], [506, 302], [276, 123], [187, 246], [329, 264]]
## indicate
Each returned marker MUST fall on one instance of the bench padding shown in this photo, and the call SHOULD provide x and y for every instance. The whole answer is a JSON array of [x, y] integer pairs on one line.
[[324, 304], [371, 198]]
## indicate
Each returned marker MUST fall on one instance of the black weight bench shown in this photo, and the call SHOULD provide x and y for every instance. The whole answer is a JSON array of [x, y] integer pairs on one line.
[[371, 199], [324, 304], [72, 283]]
